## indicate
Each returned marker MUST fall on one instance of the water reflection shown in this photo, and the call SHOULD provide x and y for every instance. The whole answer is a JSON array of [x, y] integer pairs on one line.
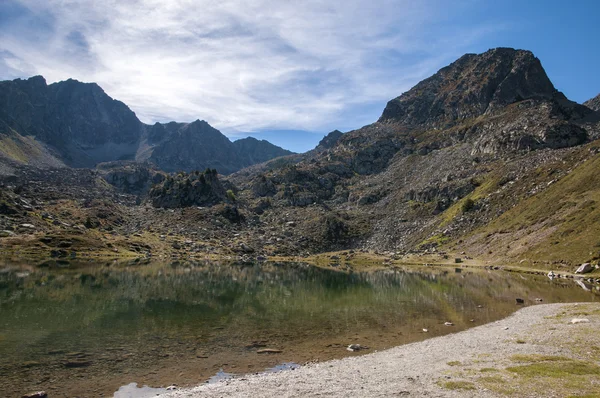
[[180, 323]]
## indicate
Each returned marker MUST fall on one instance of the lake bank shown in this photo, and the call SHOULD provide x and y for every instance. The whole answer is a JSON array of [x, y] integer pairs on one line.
[[534, 352], [87, 329]]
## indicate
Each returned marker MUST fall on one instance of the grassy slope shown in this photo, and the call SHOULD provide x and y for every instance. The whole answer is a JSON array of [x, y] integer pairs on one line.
[[559, 224]]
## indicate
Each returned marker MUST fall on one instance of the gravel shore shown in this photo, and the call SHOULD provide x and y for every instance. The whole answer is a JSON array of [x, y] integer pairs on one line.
[[456, 365]]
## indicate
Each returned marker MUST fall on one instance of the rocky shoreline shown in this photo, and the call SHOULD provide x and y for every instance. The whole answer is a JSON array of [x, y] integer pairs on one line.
[[539, 351]]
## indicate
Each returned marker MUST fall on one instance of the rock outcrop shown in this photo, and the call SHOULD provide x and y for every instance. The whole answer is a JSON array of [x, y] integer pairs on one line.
[[184, 190]]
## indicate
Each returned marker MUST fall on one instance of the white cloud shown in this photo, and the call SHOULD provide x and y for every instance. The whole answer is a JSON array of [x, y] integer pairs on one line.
[[241, 65]]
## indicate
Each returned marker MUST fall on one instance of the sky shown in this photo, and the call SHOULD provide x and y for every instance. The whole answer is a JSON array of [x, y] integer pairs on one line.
[[286, 71]]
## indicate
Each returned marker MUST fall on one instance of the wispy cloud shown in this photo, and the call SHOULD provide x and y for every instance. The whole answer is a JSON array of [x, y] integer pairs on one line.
[[241, 65]]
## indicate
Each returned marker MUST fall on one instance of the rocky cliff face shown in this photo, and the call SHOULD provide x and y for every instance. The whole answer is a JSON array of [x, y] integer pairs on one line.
[[78, 124]]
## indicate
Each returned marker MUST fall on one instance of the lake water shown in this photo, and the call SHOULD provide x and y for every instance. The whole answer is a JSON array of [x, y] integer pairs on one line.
[[89, 329]]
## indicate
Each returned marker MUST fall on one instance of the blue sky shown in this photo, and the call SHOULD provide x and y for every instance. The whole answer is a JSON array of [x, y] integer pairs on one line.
[[279, 70]]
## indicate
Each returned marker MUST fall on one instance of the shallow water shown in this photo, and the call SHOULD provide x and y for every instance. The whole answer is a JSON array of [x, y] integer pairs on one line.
[[87, 330]]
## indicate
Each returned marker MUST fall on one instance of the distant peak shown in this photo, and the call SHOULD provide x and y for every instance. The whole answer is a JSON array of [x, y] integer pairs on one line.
[[37, 79]]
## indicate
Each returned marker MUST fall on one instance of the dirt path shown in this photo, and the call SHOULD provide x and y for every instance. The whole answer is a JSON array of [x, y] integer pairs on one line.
[[536, 352]]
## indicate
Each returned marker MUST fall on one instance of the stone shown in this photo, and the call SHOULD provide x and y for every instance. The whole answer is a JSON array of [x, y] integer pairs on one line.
[[520, 301], [37, 394], [448, 324], [269, 351], [356, 347], [575, 321], [29, 226], [6, 234], [584, 268]]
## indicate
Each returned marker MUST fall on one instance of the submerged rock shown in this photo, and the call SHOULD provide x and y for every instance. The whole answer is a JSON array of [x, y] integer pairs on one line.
[[37, 394], [356, 347]]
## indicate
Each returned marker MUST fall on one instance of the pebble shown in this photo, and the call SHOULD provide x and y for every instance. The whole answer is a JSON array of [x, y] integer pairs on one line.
[[269, 351], [575, 321], [448, 324]]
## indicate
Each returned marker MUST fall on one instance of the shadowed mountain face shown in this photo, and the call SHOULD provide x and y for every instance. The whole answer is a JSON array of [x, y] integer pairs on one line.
[[79, 125]]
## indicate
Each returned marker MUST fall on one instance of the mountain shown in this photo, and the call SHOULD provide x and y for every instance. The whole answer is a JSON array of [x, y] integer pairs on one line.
[[254, 151], [593, 103], [444, 160], [79, 125], [485, 158]]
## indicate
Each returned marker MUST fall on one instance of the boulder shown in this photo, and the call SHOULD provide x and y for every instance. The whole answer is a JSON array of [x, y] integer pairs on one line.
[[584, 268]]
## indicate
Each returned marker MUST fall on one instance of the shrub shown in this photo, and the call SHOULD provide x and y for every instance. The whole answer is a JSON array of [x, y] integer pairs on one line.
[[467, 205], [230, 195]]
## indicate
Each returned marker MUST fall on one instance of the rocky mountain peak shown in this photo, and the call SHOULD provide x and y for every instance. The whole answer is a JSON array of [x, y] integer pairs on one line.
[[329, 140], [593, 103], [473, 85]]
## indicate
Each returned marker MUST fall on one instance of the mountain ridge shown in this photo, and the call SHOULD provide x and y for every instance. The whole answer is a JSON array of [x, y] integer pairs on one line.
[[84, 127], [485, 158]]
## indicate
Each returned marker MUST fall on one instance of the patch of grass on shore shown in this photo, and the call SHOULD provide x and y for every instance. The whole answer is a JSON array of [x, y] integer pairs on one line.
[[560, 369], [488, 370], [458, 385], [537, 358]]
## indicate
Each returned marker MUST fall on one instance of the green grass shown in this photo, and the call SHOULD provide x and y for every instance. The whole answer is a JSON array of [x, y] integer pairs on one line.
[[488, 370], [560, 370], [559, 222], [537, 358], [458, 385], [454, 363]]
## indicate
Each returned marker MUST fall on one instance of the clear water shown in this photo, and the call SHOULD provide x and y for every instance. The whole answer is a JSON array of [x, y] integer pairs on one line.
[[89, 329]]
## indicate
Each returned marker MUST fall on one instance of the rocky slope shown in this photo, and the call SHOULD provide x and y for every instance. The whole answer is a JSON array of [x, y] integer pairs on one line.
[[593, 103], [485, 157], [77, 124]]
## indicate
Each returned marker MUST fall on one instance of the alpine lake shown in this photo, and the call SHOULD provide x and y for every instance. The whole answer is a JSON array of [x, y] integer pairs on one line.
[[88, 329]]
